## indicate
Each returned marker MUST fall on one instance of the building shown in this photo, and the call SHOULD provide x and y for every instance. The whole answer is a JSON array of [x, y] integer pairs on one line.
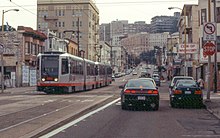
[[73, 19], [174, 63], [191, 37], [20, 55], [104, 32], [202, 69], [136, 44], [160, 24]]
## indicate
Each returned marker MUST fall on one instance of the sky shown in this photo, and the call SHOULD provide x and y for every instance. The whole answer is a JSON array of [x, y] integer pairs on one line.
[[109, 10]]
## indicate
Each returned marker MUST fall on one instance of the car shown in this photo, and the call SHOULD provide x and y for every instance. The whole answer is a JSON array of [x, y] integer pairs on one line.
[[186, 93], [113, 77], [141, 93], [156, 78], [134, 73], [150, 80], [174, 80]]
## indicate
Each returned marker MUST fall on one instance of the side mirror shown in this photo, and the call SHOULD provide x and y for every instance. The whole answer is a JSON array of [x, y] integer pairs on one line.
[[121, 87]]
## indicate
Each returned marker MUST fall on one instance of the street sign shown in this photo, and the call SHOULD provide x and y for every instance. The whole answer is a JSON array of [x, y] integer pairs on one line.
[[209, 49], [209, 30]]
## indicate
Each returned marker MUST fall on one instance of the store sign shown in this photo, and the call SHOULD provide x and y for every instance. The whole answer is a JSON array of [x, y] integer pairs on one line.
[[190, 49]]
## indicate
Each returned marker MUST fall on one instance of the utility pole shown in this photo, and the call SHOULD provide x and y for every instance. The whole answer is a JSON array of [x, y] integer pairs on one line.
[[78, 36], [209, 57], [216, 53]]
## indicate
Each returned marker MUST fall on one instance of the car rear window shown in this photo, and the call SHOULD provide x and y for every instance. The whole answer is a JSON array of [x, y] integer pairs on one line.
[[140, 83], [186, 83], [176, 79]]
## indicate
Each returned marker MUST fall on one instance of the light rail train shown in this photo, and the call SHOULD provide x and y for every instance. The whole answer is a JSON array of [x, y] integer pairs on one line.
[[60, 72]]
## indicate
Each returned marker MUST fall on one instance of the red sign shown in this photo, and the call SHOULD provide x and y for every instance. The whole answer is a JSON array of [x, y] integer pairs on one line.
[[208, 49]]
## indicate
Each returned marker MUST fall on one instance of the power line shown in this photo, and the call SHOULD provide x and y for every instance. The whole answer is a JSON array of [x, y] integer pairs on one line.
[[23, 8]]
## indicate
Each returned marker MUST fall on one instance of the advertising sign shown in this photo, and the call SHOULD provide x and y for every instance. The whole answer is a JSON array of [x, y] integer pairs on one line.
[[190, 48]]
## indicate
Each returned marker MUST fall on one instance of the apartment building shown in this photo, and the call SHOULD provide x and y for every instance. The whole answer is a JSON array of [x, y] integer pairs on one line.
[[73, 19]]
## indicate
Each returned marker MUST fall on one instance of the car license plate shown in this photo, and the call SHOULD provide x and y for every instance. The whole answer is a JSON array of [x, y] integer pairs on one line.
[[141, 98], [187, 92]]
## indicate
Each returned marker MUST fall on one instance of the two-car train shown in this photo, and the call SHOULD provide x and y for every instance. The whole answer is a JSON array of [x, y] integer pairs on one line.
[[60, 72]]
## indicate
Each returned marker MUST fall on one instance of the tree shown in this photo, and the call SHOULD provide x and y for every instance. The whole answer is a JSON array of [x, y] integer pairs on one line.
[[8, 28]]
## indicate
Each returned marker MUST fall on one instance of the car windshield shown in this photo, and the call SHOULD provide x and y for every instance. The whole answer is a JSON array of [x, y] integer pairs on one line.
[[186, 83], [140, 84]]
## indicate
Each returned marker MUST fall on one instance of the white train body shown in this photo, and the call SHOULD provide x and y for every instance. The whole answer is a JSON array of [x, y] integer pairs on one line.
[[60, 72]]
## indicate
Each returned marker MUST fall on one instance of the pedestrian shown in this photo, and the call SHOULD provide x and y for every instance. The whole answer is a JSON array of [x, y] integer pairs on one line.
[[201, 83]]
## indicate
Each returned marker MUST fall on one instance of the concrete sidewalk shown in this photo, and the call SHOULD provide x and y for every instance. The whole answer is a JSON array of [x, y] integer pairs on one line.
[[213, 105], [19, 89]]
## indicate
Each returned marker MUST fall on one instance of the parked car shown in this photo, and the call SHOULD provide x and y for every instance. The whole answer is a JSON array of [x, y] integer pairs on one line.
[[174, 80], [186, 93], [139, 93], [134, 73], [113, 77], [156, 78]]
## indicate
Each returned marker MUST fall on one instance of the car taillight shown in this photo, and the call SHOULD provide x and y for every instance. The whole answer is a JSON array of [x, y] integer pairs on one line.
[[198, 92], [177, 92], [129, 91], [152, 92]]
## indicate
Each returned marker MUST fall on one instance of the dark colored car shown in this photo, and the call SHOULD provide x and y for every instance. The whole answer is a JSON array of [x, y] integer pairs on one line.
[[140, 93], [186, 93], [156, 78]]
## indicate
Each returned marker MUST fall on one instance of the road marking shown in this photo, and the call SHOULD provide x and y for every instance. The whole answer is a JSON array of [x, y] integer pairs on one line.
[[87, 100], [199, 136], [73, 123]]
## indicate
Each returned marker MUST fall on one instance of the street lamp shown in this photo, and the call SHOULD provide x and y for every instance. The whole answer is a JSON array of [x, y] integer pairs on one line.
[[2, 60], [170, 8]]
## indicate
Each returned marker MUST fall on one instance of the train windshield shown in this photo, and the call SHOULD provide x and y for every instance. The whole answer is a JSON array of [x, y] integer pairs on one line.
[[50, 66]]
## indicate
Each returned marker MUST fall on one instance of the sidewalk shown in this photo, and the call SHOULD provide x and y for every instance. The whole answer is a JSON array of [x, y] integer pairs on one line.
[[213, 106], [19, 89]]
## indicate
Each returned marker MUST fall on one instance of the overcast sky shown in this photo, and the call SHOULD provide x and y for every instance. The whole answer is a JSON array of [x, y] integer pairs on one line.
[[109, 10]]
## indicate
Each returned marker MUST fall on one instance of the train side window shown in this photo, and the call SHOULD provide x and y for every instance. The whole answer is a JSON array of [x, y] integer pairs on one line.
[[96, 70], [65, 69]]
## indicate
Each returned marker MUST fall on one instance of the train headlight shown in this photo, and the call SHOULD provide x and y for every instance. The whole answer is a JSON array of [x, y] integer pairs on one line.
[[56, 79], [43, 79]]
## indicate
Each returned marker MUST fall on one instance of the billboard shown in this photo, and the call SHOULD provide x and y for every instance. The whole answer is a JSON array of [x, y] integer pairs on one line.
[[190, 48]]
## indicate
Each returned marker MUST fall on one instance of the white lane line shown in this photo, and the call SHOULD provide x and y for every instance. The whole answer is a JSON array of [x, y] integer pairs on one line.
[[73, 123], [200, 136]]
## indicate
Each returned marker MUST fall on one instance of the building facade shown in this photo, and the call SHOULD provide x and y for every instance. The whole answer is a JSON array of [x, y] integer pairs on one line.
[[20, 55], [160, 24], [73, 19]]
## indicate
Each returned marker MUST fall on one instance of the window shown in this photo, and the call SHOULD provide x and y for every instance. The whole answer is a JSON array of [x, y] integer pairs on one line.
[[63, 24], [65, 69], [73, 23], [26, 47], [80, 23], [218, 14], [203, 16], [59, 24], [60, 12]]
